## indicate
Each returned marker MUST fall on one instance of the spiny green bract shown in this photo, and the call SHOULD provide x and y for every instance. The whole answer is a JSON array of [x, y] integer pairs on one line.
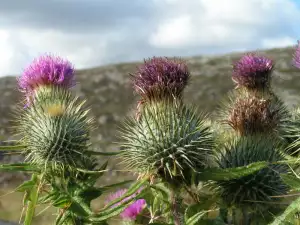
[[55, 130], [168, 140], [256, 190], [291, 133]]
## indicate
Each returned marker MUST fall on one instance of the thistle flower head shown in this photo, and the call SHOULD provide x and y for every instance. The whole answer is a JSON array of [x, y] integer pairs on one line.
[[44, 71], [253, 191], [133, 210], [252, 71], [296, 60], [250, 114], [161, 77], [168, 142]]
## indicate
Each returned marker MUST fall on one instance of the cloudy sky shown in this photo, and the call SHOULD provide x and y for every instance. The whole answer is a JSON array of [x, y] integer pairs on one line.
[[97, 32]]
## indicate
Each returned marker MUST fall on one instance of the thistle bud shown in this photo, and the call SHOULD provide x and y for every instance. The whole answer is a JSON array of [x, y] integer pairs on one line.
[[160, 78], [55, 130], [252, 72], [296, 60], [168, 142], [46, 71], [256, 190]]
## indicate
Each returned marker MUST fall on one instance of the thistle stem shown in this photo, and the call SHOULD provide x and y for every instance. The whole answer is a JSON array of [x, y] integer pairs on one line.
[[177, 215], [32, 202]]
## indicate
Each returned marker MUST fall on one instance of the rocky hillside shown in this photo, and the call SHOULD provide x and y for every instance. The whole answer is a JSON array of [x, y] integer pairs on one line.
[[110, 96]]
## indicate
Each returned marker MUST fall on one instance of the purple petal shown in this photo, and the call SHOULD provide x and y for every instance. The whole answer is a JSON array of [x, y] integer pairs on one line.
[[296, 60], [47, 70], [252, 71], [161, 73]]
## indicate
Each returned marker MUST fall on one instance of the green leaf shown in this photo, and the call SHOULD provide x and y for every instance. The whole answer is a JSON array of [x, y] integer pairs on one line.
[[105, 215], [100, 172], [195, 218], [17, 167], [62, 218], [26, 186], [110, 211], [292, 181], [217, 174], [289, 211], [117, 184], [132, 190], [62, 202], [12, 148], [48, 197], [162, 189], [199, 207], [79, 207], [103, 153], [90, 193], [93, 177]]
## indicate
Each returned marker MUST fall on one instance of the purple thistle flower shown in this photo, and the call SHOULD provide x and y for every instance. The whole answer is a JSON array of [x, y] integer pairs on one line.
[[131, 212], [46, 70], [160, 77], [252, 71], [296, 60]]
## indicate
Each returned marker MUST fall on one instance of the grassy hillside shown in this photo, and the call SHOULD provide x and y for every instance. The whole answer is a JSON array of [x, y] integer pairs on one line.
[[110, 97]]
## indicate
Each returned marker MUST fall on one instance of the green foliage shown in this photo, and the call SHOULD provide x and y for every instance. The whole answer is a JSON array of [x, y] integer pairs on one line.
[[227, 174], [190, 167], [291, 133], [17, 167], [253, 191]]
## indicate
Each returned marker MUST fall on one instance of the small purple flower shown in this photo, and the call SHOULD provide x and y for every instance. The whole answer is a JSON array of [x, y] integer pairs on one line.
[[252, 71], [131, 212], [46, 70], [159, 76], [296, 60]]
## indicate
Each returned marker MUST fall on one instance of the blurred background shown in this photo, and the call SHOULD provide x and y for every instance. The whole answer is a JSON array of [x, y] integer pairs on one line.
[[107, 39]]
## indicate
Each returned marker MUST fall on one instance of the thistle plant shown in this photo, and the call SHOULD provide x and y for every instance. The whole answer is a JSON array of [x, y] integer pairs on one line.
[[192, 169], [168, 140]]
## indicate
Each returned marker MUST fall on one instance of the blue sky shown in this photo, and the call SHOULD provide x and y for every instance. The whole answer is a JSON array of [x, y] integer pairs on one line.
[[91, 33]]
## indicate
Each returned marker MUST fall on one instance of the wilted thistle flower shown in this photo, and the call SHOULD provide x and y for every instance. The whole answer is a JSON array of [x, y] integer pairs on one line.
[[46, 70], [133, 210], [253, 72], [256, 190], [250, 114], [296, 60], [55, 130], [160, 78], [168, 142]]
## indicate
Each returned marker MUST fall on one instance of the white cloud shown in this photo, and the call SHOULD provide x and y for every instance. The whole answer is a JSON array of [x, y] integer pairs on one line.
[[17, 53], [230, 23], [278, 42]]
